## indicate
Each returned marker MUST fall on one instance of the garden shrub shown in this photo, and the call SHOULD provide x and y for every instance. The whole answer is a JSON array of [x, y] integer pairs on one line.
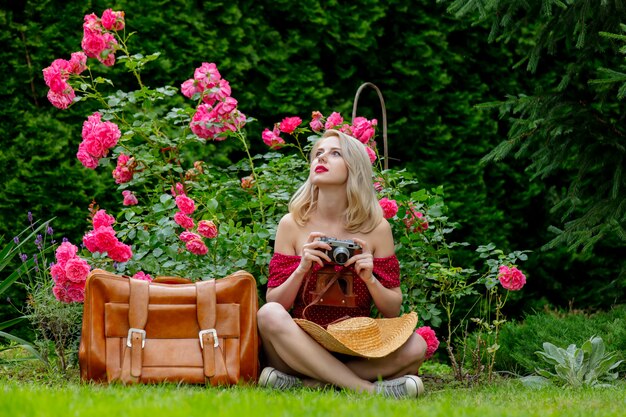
[[520, 340]]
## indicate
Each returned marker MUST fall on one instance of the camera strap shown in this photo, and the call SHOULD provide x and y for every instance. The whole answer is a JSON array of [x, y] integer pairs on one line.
[[323, 291]]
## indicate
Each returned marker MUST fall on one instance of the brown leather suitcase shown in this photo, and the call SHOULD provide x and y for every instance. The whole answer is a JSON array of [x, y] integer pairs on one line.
[[147, 332]]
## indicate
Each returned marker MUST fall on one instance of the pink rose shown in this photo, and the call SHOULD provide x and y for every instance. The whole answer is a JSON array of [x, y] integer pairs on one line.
[[77, 269], [197, 247], [85, 158], [91, 22], [120, 252], [207, 229], [113, 20], [142, 276], [289, 124], [61, 100], [207, 75], [129, 198], [390, 207], [363, 129], [316, 122], [222, 90], [187, 236], [202, 122], [429, 336], [189, 88], [58, 273], [511, 278], [60, 293], [65, 252], [271, 138], [90, 124], [89, 240], [75, 292], [94, 147], [124, 170], [333, 120], [185, 204], [78, 62], [183, 220], [104, 238], [93, 43], [56, 75], [178, 189], [108, 133], [226, 106], [101, 218]]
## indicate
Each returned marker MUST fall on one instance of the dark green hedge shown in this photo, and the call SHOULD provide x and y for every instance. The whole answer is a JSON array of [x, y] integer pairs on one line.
[[286, 58]]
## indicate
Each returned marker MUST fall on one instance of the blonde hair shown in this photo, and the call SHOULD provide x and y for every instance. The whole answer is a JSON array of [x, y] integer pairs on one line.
[[363, 213]]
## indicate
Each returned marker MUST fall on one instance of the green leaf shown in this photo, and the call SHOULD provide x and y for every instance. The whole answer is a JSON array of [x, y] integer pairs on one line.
[[25, 345]]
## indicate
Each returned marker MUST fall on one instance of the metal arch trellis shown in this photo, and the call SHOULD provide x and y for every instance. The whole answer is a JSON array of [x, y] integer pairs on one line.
[[384, 110]]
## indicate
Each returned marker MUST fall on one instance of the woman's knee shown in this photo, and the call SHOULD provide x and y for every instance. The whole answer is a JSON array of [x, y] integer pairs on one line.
[[272, 317], [413, 352]]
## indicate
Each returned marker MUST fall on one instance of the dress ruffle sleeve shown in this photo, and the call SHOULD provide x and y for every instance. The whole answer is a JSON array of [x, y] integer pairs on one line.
[[386, 270], [281, 267]]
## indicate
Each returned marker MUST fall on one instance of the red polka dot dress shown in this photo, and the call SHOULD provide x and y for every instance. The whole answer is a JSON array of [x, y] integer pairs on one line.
[[386, 270]]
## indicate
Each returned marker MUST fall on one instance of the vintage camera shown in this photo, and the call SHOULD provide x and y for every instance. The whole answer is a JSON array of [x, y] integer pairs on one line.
[[340, 250]]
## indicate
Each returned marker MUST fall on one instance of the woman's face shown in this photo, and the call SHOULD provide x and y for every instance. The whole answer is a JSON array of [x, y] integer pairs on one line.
[[328, 165]]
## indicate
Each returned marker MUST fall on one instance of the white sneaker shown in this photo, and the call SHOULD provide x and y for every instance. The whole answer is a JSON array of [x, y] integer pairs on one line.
[[408, 386], [273, 378]]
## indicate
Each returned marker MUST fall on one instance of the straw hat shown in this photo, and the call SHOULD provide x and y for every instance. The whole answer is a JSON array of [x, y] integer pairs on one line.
[[363, 336]]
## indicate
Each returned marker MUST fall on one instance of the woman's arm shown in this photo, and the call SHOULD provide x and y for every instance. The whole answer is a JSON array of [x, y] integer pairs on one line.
[[312, 251]]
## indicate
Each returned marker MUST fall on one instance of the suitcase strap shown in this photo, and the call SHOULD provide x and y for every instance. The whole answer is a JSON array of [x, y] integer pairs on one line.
[[215, 370], [213, 356]]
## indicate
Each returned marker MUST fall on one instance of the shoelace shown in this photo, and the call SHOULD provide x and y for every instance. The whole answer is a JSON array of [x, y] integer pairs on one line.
[[394, 389], [284, 381]]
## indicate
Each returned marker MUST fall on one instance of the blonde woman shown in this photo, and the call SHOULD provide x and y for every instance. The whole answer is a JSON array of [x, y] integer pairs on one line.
[[336, 201]]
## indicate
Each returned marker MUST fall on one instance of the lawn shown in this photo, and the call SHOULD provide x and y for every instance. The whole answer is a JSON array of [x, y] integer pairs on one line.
[[508, 398]]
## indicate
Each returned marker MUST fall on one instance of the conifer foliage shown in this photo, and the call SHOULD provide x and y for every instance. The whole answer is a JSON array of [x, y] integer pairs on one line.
[[571, 127]]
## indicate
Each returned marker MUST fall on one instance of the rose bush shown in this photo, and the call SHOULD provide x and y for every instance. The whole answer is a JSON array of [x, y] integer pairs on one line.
[[181, 214]]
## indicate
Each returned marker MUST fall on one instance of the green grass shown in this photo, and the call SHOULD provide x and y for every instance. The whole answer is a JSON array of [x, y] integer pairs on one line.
[[508, 398]]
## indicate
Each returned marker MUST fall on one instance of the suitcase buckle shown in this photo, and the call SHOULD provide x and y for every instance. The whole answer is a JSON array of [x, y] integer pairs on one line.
[[211, 331], [140, 331]]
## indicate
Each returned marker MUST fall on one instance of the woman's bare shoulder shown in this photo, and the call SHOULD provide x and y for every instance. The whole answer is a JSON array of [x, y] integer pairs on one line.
[[286, 235], [382, 239], [287, 222]]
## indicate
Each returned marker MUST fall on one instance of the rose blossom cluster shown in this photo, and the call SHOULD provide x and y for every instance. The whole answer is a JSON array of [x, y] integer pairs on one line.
[[98, 138], [206, 228], [217, 113], [361, 128], [56, 77], [98, 41], [69, 274], [102, 238], [272, 137], [511, 278]]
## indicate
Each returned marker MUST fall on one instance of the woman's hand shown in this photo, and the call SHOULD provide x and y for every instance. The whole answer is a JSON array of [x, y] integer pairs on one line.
[[363, 262], [313, 251]]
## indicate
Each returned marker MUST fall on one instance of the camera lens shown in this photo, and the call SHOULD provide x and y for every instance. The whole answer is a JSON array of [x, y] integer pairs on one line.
[[341, 255]]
